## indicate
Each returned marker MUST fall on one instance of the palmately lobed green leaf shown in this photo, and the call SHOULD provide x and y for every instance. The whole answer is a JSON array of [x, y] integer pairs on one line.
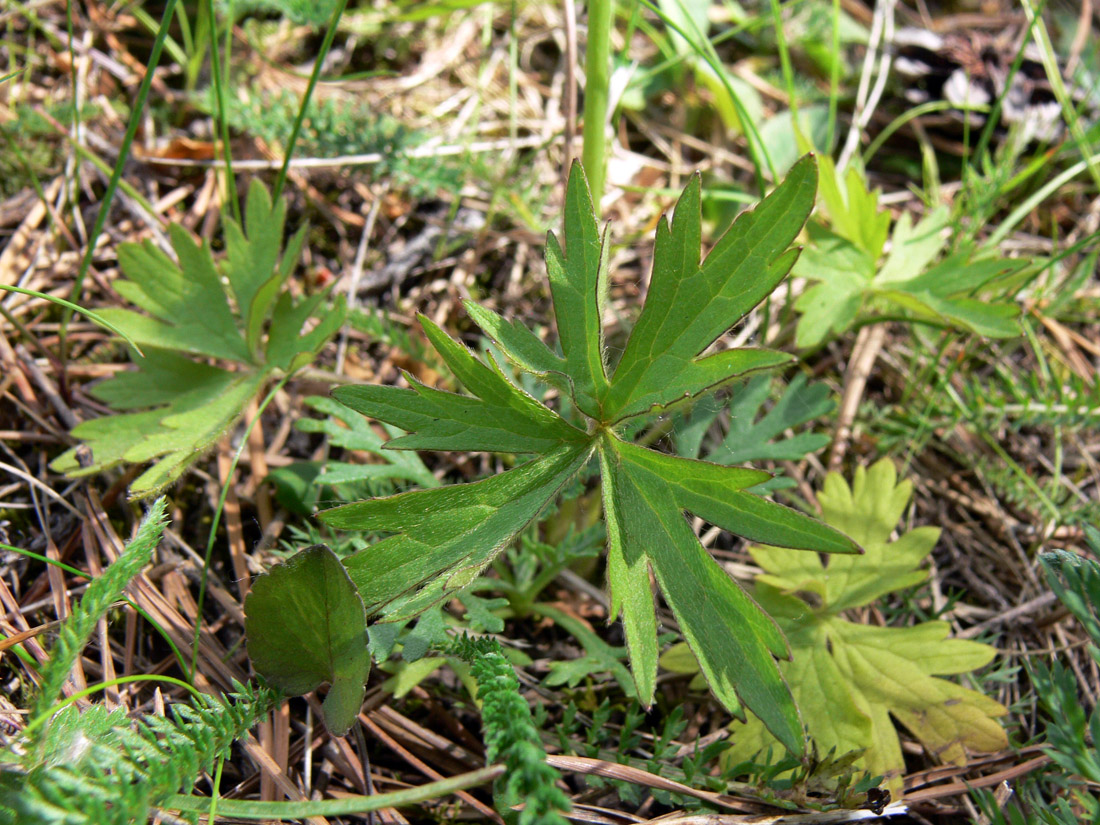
[[868, 511], [190, 316], [845, 261], [444, 538]]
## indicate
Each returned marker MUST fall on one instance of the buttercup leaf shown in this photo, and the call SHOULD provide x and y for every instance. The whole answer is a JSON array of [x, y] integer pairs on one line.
[[443, 538], [852, 286]]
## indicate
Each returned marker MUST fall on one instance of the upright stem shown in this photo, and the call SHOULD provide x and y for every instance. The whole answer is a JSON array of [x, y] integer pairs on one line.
[[597, 70]]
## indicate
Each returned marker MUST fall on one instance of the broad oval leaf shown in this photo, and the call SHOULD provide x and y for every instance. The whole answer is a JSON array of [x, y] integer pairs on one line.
[[306, 625]]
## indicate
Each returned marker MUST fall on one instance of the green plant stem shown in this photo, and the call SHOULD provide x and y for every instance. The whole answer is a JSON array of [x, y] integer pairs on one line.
[[219, 102], [834, 80], [246, 809], [785, 64], [1024, 209], [116, 173], [69, 305], [217, 519], [597, 72], [215, 794], [912, 114], [314, 76]]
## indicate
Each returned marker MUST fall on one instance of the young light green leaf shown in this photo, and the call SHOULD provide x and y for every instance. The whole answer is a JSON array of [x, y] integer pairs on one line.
[[306, 625], [852, 287], [689, 304], [853, 209], [848, 679], [914, 248], [845, 272], [867, 511]]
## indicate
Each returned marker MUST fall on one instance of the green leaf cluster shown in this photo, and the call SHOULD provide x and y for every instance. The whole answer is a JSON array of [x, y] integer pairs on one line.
[[850, 678], [915, 280], [178, 401], [441, 539]]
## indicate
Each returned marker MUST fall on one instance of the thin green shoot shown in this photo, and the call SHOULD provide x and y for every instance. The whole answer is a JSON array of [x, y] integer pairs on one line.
[[834, 80], [175, 51], [912, 114], [116, 173], [69, 305], [788, 70], [998, 104], [247, 809], [212, 815], [704, 48], [1025, 208], [220, 80], [314, 76], [1041, 38]]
